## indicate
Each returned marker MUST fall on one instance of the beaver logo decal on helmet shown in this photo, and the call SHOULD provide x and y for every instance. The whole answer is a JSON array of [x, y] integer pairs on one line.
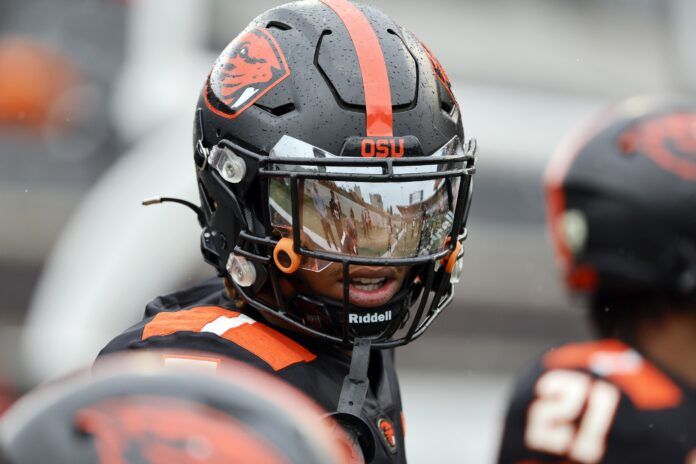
[[251, 65], [158, 430], [669, 140], [439, 70]]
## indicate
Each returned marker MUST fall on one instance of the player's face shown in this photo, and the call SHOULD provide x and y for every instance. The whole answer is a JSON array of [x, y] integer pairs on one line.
[[370, 287]]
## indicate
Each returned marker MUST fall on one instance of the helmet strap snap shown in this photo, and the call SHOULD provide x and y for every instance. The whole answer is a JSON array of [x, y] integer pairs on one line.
[[285, 257]]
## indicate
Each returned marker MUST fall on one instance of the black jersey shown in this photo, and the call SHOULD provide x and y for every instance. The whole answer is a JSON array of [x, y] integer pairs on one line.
[[204, 318], [599, 402]]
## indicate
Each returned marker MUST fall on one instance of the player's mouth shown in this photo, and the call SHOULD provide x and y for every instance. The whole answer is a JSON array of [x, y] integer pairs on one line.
[[370, 288]]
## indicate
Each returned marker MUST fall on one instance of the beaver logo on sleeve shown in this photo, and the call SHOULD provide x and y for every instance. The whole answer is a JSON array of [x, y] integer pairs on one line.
[[251, 65], [388, 434], [157, 430]]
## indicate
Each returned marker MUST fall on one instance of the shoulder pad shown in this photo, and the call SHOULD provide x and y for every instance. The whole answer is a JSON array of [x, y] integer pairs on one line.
[[206, 293], [271, 346], [640, 380]]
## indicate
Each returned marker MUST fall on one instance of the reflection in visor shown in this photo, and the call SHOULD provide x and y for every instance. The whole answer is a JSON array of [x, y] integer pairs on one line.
[[368, 219]]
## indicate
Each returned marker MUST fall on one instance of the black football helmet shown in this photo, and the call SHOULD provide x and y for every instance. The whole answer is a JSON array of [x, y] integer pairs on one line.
[[622, 200], [326, 115], [160, 408]]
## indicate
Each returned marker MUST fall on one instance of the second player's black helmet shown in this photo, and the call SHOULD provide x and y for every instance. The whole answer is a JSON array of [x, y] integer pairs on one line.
[[321, 116], [622, 201], [152, 407]]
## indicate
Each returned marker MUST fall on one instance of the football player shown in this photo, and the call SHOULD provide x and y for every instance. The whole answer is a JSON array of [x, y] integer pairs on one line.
[[622, 211], [169, 408], [323, 104]]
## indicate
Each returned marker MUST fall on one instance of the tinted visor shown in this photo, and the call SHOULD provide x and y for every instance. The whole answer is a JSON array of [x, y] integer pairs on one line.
[[368, 219], [365, 208]]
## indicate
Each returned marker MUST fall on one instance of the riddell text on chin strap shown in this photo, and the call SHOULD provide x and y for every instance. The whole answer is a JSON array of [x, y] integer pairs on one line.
[[353, 394]]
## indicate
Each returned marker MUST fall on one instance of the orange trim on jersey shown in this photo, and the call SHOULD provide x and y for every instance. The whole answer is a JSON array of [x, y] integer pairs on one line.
[[186, 320], [378, 100], [643, 383], [271, 346]]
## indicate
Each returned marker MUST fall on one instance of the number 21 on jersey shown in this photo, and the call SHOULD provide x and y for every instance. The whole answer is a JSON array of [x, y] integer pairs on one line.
[[571, 415]]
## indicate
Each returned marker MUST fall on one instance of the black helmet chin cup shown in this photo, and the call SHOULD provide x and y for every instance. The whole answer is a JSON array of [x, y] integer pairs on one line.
[[329, 313]]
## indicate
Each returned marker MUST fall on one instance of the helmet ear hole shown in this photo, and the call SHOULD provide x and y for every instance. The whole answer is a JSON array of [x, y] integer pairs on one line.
[[447, 103], [285, 257]]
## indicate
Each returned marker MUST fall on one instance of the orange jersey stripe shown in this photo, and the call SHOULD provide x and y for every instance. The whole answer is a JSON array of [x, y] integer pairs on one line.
[[273, 347], [378, 101], [187, 320], [645, 384]]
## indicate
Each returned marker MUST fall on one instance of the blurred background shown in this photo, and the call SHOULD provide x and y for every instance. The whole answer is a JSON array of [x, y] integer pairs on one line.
[[96, 104]]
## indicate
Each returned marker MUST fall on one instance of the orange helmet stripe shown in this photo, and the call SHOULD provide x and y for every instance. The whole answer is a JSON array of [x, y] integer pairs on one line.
[[378, 100]]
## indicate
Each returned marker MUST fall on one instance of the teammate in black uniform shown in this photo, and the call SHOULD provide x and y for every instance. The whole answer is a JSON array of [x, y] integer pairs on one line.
[[316, 103], [622, 211]]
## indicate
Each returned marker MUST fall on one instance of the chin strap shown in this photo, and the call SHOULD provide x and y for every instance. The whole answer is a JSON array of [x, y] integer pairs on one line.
[[353, 394], [356, 383]]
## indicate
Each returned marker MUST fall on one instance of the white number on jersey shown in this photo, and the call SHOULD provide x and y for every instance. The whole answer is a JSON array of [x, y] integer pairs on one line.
[[571, 415]]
